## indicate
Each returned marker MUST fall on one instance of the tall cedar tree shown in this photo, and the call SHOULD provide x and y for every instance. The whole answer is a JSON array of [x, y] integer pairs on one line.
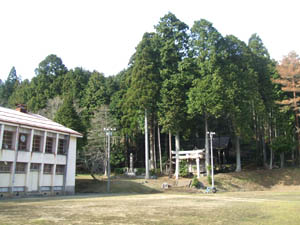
[[10, 85], [174, 47], [240, 90], [263, 106], [206, 94], [145, 81]]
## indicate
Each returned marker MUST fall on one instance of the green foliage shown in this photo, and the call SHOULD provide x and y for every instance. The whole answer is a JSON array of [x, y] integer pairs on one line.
[[95, 92], [119, 171], [10, 85], [140, 171], [283, 144], [178, 76], [67, 115], [117, 155], [195, 182], [209, 179], [183, 169]]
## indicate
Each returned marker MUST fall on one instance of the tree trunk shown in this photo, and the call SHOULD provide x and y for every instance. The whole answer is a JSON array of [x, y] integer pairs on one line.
[[271, 150], [293, 153], [238, 154], [264, 148], [170, 154], [146, 148], [154, 147], [257, 151], [207, 163], [282, 160], [159, 149], [177, 147], [151, 145]]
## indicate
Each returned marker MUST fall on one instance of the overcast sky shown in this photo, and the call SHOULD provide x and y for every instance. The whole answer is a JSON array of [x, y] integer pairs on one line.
[[102, 34]]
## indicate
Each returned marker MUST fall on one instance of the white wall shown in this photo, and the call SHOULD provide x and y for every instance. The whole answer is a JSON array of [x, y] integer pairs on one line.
[[47, 180], [20, 180], [59, 180], [7, 155], [4, 179], [71, 167]]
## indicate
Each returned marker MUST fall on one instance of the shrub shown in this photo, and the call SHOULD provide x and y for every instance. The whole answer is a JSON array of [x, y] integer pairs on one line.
[[209, 179], [119, 171], [155, 172], [195, 182], [140, 171], [183, 169]]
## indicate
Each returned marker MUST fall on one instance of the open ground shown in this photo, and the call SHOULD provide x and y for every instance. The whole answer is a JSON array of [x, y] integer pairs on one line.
[[249, 197], [262, 207]]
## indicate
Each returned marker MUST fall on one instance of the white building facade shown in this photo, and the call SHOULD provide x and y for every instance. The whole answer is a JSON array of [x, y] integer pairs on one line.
[[37, 155]]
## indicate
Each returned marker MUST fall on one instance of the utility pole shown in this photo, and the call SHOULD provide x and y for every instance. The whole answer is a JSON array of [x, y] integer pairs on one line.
[[211, 134], [108, 132], [147, 175]]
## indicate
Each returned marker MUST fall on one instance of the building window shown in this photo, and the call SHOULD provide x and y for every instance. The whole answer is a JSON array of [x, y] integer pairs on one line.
[[61, 146], [7, 139], [23, 142], [34, 167], [48, 168], [21, 167], [5, 167], [36, 147], [49, 145], [60, 169]]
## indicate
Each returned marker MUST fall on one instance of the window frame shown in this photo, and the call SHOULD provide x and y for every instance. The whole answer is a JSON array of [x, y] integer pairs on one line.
[[21, 167], [20, 142], [49, 149], [60, 169], [48, 170], [61, 148], [8, 139], [35, 166], [5, 168], [34, 147]]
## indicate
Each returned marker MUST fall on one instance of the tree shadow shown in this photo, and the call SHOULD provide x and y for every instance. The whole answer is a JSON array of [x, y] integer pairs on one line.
[[117, 186], [269, 178]]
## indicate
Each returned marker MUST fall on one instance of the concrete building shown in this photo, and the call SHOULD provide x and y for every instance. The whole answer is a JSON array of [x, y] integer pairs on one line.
[[37, 155]]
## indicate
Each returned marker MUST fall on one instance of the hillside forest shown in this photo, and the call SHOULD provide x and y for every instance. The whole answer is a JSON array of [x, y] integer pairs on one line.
[[183, 82]]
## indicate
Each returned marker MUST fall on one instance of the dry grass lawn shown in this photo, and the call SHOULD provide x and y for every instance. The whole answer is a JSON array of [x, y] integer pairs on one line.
[[259, 197], [265, 207]]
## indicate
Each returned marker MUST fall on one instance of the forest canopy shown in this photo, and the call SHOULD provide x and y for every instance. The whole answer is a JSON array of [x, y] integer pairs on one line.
[[189, 81]]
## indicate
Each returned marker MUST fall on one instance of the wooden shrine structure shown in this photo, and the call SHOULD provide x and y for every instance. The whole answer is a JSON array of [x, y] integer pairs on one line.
[[189, 155]]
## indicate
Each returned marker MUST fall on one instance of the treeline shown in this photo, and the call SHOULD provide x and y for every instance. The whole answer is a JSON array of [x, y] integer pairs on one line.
[[183, 81]]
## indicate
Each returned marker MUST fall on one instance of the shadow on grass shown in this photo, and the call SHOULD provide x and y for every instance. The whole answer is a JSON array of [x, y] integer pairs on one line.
[[268, 178], [119, 186]]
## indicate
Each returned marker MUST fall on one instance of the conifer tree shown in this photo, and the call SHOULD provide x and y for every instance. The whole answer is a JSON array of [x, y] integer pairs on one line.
[[289, 72]]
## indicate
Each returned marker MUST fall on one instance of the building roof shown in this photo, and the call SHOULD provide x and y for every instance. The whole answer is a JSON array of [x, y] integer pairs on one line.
[[34, 120]]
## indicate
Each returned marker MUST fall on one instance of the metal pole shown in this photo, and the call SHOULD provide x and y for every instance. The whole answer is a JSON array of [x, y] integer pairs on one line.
[[108, 132], [212, 158], [147, 176], [108, 161]]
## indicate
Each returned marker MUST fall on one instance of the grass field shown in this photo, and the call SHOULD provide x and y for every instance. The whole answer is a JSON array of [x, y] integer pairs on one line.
[[249, 197], [264, 207]]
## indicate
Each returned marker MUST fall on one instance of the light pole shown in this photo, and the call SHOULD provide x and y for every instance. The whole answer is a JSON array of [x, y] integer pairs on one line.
[[108, 132], [211, 134]]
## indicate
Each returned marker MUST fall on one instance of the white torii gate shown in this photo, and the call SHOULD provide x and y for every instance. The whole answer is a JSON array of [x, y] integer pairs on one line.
[[191, 154]]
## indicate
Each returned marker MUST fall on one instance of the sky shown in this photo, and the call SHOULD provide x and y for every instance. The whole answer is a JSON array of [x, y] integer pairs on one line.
[[102, 34]]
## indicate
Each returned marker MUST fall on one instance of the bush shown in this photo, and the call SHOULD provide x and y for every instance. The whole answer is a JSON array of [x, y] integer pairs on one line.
[[209, 179], [119, 171], [140, 171], [155, 172], [183, 169], [195, 182]]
